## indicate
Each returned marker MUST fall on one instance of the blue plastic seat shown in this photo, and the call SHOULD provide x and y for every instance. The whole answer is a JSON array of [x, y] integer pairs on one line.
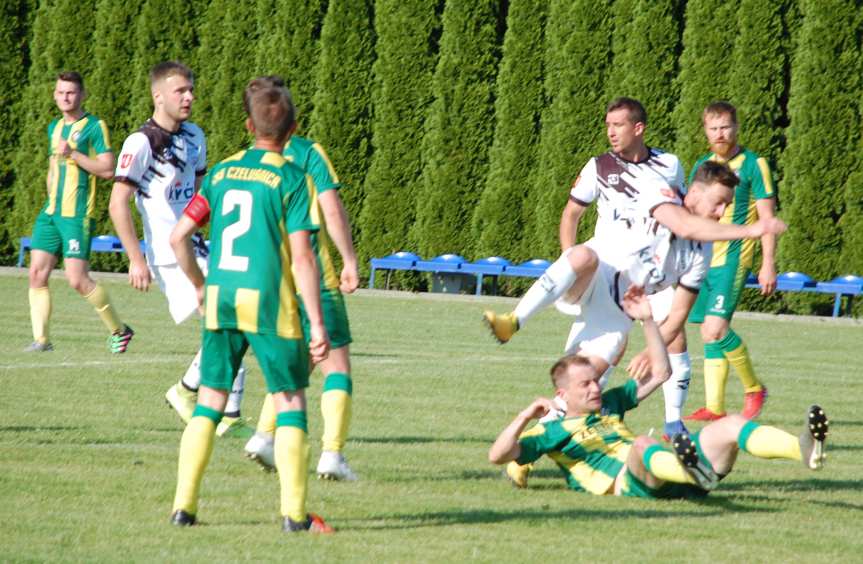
[[849, 285], [402, 260], [490, 266], [532, 268], [442, 263], [794, 282]]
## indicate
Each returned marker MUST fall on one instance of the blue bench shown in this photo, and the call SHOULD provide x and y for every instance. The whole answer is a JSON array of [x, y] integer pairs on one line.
[[402, 260], [100, 244], [840, 286]]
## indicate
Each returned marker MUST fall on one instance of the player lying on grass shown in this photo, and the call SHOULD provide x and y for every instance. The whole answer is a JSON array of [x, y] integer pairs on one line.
[[599, 454], [588, 288]]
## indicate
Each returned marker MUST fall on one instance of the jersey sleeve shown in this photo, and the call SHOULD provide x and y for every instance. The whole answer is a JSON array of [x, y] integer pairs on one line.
[[201, 165], [585, 189], [135, 158], [621, 399], [100, 141], [321, 170], [298, 207], [541, 439], [697, 272], [762, 181]]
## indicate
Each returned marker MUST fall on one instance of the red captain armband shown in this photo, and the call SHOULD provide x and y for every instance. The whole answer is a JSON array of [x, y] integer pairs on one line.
[[198, 210]]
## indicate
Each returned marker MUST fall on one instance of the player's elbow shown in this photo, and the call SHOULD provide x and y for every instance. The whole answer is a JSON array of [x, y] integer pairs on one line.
[[496, 457]]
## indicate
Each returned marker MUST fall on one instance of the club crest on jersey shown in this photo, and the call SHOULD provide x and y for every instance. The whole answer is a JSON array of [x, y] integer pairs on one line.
[[125, 160], [613, 179], [74, 136]]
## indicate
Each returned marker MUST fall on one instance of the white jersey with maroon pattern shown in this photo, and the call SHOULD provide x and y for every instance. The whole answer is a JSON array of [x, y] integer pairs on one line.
[[163, 166]]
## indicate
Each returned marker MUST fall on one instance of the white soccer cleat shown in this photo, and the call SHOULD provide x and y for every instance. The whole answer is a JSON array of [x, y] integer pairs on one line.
[[260, 449], [182, 400], [333, 466]]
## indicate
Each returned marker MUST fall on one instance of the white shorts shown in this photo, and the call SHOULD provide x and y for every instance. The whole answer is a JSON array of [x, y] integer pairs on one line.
[[660, 303], [182, 299], [601, 327]]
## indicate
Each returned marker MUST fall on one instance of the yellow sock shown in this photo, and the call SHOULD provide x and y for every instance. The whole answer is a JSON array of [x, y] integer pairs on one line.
[[267, 418], [40, 313], [715, 377], [196, 446], [99, 299], [665, 465], [292, 462], [764, 441], [336, 409], [738, 356]]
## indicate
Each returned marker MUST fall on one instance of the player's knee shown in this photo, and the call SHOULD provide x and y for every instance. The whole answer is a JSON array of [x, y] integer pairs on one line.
[[642, 442], [39, 276], [80, 283], [711, 333], [583, 259]]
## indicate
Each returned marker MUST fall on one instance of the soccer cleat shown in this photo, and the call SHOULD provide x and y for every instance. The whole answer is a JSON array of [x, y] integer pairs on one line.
[[333, 466], [503, 326], [183, 400], [686, 452], [313, 524], [260, 449], [813, 437], [36, 346], [517, 473], [119, 342], [672, 428], [182, 519], [703, 414], [753, 402], [233, 427]]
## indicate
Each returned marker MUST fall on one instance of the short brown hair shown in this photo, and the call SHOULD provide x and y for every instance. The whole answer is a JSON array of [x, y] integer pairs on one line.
[[720, 108], [72, 76], [636, 110], [711, 171], [560, 371], [170, 68], [270, 107]]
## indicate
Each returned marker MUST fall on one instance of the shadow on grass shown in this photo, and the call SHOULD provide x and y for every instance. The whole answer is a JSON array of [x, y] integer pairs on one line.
[[813, 485], [422, 440], [36, 428], [394, 521], [833, 446]]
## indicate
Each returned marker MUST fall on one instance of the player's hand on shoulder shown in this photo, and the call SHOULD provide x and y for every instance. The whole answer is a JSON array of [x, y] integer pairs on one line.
[[349, 279], [636, 304], [139, 276], [539, 407]]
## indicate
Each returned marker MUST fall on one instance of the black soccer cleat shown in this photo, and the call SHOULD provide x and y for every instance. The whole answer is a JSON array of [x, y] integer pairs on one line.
[[812, 439], [181, 518], [313, 524], [686, 452]]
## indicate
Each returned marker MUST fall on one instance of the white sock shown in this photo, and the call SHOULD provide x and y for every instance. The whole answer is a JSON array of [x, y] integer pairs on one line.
[[553, 283], [192, 377], [676, 388], [606, 376], [236, 395]]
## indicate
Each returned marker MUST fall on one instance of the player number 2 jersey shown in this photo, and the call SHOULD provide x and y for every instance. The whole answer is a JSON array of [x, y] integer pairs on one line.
[[256, 199], [163, 166]]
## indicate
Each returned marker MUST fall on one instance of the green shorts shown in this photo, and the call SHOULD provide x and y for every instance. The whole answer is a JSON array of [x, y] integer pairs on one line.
[[335, 319], [633, 487], [67, 235], [720, 292], [284, 362]]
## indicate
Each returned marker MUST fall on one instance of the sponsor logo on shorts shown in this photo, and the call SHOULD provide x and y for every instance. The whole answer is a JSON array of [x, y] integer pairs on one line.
[[74, 246]]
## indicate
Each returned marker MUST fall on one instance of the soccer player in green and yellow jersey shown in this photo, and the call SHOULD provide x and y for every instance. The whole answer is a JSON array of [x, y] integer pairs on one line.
[[329, 212], [732, 261], [258, 206], [599, 454], [79, 151]]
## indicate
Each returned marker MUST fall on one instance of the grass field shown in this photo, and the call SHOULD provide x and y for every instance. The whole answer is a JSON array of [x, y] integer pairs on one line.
[[88, 449]]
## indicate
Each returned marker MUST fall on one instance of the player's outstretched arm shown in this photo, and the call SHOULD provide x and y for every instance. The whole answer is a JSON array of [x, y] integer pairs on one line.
[[637, 306], [339, 228], [669, 329], [308, 285], [696, 228], [506, 447], [767, 274], [121, 217]]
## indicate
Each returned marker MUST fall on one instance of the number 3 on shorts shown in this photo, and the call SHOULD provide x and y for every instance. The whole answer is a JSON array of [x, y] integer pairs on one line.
[[243, 200], [720, 303]]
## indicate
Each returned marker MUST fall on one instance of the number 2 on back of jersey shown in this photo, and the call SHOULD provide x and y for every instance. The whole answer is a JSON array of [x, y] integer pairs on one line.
[[242, 200]]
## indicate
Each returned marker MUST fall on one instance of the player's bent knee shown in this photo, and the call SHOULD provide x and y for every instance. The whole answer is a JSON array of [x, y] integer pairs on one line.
[[583, 259], [642, 442]]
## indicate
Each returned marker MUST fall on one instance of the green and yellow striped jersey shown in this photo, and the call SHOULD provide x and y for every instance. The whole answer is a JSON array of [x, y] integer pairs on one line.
[[72, 191], [256, 199], [312, 158], [590, 450], [755, 184]]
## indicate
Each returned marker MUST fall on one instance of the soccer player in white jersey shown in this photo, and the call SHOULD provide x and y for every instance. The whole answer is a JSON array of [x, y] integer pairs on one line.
[[161, 165]]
